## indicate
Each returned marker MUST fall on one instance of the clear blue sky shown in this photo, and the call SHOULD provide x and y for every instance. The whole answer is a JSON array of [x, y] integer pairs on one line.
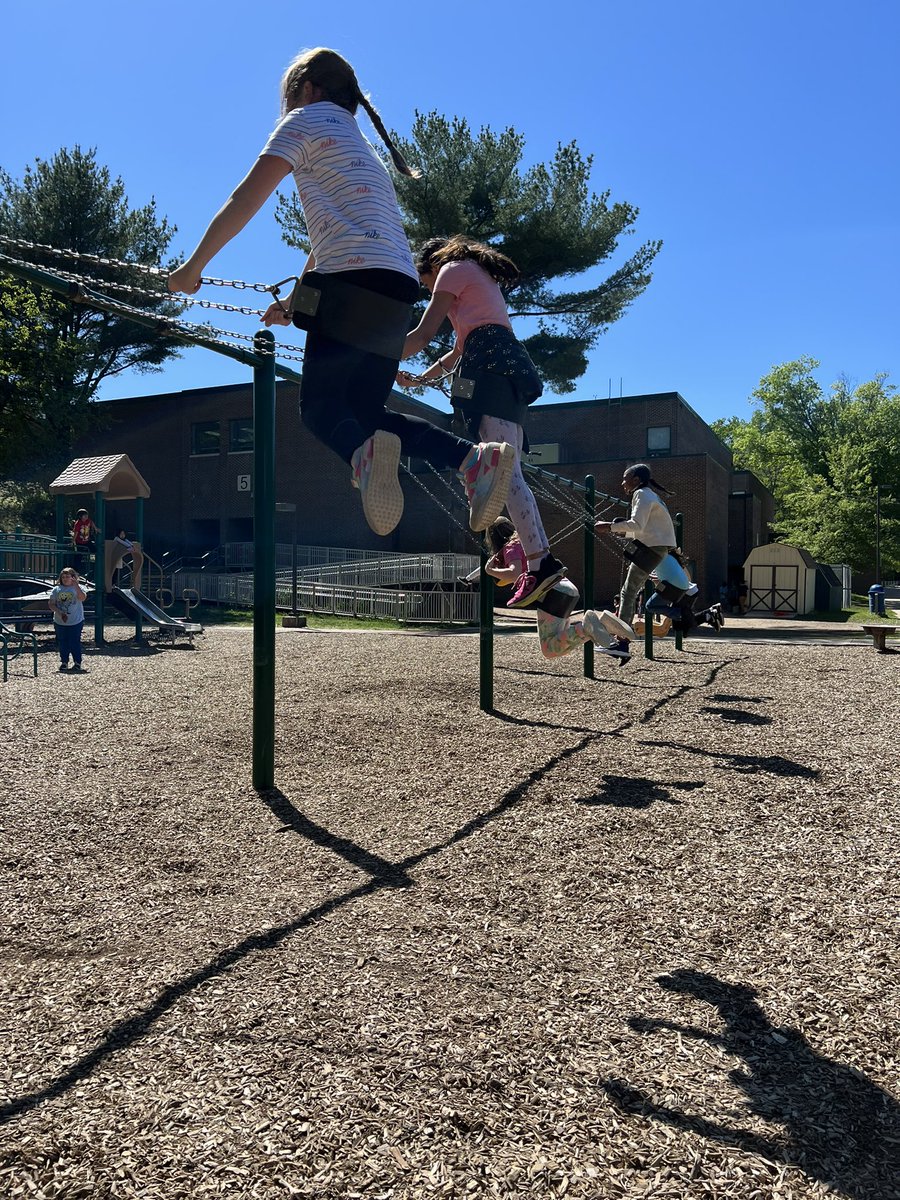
[[759, 141]]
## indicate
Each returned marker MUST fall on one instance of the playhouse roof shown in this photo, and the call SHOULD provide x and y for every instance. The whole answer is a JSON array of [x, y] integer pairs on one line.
[[114, 474], [780, 552]]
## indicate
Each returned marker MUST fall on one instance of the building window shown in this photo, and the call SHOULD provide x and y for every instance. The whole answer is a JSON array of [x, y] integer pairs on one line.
[[240, 435], [205, 437], [659, 439]]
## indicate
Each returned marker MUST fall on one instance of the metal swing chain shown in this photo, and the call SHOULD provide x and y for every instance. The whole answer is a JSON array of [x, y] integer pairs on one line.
[[468, 532], [23, 243], [173, 324], [143, 268], [437, 383]]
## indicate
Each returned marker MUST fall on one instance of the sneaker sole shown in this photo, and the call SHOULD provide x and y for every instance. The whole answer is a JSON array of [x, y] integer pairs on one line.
[[493, 503], [383, 497], [539, 592], [591, 624], [616, 626]]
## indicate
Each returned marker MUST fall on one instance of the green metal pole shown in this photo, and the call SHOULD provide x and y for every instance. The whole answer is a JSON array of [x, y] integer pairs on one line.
[[648, 621], [100, 569], [486, 636], [264, 563], [589, 500], [139, 537], [679, 538]]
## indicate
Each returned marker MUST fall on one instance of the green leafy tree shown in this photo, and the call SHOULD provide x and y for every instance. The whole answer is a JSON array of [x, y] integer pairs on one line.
[[823, 455], [544, 217], [55, 354]]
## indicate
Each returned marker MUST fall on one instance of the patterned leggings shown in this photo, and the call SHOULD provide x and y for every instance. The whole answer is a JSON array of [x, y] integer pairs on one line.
[[520, 502], [558, 637]]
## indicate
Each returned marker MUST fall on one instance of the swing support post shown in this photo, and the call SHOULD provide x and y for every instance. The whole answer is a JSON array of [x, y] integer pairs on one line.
[[264, 562], [679, 538], [485, 636], [589, 501], [648, 621]]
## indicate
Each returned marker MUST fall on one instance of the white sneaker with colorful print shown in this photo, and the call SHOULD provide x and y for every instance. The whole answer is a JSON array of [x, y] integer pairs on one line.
[[375, 464], [485, 473]]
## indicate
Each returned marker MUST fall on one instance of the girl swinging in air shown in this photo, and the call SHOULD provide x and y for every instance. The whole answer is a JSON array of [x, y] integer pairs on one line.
[[557, 634], [464, 278], [362, 270]]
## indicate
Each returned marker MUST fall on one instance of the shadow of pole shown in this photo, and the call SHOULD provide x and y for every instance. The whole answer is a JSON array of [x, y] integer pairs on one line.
[[383, 874]]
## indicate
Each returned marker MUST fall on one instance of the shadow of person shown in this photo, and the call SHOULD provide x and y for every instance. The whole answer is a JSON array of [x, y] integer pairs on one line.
[[839, 1127], [737, 716], [629, 791]]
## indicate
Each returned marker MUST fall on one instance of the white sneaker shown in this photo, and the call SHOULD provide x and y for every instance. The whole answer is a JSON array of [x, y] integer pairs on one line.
[[601, 626], [374, 465], [485, 473], [616, 626], [598, 631]]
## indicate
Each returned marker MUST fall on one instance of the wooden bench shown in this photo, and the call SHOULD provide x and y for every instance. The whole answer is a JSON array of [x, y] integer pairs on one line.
[[879, 633]]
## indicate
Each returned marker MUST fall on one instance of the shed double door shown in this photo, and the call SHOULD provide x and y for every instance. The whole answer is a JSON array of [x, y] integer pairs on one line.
[[774, 589]]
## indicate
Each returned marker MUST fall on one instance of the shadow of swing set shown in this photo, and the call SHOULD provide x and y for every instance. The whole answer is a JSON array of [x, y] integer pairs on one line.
[[116, 478]]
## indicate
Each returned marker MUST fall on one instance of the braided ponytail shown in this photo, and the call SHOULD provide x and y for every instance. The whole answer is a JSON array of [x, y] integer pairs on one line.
[[396, 157], [644, 476], [333, 75]]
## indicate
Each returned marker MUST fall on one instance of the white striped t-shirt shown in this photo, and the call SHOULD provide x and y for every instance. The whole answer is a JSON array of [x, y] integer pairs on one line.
[[347, 195]]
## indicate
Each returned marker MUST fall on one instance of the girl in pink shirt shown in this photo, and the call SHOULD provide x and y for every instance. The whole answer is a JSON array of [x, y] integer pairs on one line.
[[557, 634], [494, 378]]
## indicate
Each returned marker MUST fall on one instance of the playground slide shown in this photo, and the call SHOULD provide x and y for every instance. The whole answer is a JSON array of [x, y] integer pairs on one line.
[[135, 604]]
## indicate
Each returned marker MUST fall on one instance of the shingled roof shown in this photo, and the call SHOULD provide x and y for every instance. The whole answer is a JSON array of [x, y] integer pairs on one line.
[[115, 475]]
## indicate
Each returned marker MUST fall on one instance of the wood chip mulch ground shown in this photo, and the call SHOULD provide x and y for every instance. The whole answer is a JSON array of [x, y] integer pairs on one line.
[[630, 937]]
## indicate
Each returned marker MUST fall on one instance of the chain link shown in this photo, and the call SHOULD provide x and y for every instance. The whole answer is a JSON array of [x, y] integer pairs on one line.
[[172, 324], [145, 269], [109, 285], [454, 519], [22, 243]]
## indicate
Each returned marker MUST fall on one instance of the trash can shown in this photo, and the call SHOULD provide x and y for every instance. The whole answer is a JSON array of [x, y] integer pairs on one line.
[[876, 599]]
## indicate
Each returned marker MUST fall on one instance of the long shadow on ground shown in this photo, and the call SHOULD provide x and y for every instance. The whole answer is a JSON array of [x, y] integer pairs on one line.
[[839, 1127], [382, 874]]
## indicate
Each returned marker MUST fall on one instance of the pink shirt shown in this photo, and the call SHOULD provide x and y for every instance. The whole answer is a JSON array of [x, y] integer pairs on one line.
[[478, 299], [513, 555]]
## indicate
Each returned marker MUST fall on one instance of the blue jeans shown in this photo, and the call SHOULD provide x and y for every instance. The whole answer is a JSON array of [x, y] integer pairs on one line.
[[68, 638]]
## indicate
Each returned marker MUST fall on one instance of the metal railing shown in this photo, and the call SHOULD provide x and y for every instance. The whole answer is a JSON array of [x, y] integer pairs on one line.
[[458, 607], [32, 554], [239, 556]]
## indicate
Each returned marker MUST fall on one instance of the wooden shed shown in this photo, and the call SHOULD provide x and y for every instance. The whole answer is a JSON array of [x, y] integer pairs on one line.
[[781, 580]]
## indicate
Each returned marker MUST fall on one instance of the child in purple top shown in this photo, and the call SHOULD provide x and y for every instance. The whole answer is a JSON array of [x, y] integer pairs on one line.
[[557, 634]]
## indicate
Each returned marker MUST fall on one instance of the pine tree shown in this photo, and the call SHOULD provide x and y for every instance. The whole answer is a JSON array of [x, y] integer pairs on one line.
[[54, 354], [545, 218]]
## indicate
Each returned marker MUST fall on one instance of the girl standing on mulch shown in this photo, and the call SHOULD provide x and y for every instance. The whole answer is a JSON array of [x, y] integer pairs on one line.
[[360, 284], [465, 278], [67, 605], [557, 634]]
